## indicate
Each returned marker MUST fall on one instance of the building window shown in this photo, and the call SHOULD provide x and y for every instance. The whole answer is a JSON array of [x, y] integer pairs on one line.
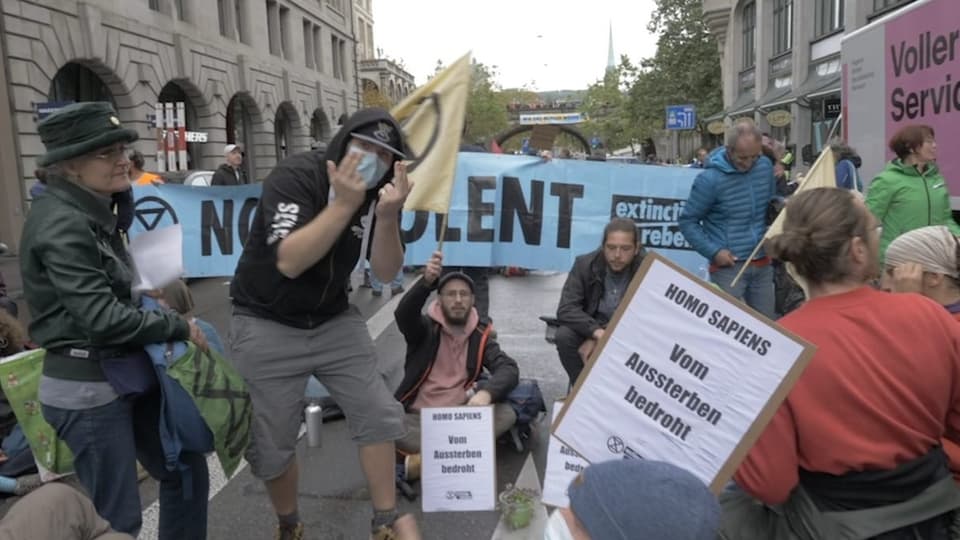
[[829, 16], [336, 5], [308, 43], [749, 35], [182, 10], [154, 5], [886, 5], [318, 48], [344, 61], [273, 27], [239, 19], [222, 13], [337, 61], [285, 34], [782, 26]]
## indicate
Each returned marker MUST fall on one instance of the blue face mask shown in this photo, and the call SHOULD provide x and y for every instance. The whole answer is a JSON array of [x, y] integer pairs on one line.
[[371, 167]]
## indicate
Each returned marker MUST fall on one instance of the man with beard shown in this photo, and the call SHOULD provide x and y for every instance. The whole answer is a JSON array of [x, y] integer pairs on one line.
[[855, 449], [593, 291], [448, 349], [292, 318]]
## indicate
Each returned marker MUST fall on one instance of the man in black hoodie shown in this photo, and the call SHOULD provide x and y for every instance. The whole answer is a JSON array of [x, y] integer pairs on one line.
[[318, 213]]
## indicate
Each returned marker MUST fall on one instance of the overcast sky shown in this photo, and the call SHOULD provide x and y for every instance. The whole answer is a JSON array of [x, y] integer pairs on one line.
[[544, 44]]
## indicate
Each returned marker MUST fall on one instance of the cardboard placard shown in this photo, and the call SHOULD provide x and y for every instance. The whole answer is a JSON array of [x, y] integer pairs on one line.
[[684, 374], [459, 464], [563, 465]]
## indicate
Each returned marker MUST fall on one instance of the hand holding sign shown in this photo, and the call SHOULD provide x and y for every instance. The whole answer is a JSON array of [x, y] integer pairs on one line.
[[348, 186], [394, 194]]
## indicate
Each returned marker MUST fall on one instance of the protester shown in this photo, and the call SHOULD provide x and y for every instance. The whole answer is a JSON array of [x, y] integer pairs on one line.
[[448, 349], [700, 162], [880, 390], [910, 193], [96, 388], [631, 499], [594, 288], [232, 172], [138, 175], [726, 216], [56, 511], [177, 296], [847, 169], [926, 261], [292, 316]]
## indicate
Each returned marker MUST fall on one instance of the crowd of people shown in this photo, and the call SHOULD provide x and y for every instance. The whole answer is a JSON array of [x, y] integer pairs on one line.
[[866, 445]]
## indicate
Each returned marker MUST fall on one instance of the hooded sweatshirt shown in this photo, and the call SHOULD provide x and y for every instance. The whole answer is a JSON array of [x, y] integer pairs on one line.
[[904, 199], [444, 386], [294, 193], [727, 208]]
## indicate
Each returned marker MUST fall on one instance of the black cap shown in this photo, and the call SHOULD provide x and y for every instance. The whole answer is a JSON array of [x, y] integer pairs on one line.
[[446, 278], [382, 134]]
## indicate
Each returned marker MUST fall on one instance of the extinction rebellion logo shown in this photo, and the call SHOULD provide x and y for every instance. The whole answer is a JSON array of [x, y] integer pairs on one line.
[[656, 220]]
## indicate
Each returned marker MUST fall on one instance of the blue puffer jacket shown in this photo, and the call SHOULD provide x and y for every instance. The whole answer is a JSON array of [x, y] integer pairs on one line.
[[727, 209]]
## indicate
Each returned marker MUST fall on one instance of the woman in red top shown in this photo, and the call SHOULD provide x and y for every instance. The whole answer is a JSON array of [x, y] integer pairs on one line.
[[926, 261], [855, 449]]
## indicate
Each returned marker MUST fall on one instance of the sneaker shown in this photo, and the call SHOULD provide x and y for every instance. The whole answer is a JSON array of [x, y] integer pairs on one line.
[[26, 484], [411, 467], [404, 528], [397, 290], [287, 533]]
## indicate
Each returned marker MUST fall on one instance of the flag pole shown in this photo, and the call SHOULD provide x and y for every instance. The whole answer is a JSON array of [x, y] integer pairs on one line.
[[746, 263], [443, 230]]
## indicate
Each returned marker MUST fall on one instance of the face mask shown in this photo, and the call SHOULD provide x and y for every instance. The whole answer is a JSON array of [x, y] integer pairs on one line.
[[557, 528], [371, 167]]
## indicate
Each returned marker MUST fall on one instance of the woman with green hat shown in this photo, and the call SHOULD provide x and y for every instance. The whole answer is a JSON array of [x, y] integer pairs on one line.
[[98, 388]]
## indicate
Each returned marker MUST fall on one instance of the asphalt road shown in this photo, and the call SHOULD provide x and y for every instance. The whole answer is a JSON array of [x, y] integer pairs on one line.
[[333, 499]]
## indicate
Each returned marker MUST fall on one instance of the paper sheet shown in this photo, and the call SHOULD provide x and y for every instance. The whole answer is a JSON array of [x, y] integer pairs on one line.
[[158, 257]]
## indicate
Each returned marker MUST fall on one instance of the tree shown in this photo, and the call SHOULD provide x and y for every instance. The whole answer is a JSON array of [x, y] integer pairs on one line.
[[373, 97], [684, 70], [606, 107], [487, 106]]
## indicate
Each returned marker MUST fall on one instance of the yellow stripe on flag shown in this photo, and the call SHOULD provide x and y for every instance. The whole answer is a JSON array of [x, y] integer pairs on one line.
[[432, 119]]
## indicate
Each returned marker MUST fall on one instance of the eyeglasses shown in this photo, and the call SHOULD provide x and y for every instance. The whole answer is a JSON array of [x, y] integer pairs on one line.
[[453, 295], [114, 154]]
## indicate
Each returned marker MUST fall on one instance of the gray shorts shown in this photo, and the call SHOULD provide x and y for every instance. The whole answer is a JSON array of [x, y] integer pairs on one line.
[[276, 360]]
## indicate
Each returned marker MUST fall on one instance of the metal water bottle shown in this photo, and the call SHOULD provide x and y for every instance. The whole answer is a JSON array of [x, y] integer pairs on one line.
[[313, 417]]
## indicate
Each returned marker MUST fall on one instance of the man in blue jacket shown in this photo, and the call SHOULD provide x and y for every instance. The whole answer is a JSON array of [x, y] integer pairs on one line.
[[725, 216]]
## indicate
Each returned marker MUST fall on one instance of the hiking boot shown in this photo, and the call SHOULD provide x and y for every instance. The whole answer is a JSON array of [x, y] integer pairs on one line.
[[288, 533], [26, 484], [397, 290], [411, 467], [404, 528]]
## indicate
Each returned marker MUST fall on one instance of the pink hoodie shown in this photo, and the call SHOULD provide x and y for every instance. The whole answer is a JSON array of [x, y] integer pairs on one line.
[[444, 386]]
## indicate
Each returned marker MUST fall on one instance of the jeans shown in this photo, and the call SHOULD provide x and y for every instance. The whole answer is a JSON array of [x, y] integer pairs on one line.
[[107, 442], [397, 282], [568, 347], [755, 287]]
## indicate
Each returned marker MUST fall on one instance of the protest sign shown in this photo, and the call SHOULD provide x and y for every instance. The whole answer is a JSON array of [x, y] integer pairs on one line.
[[563, 465], [684, 374], [504, 211], [459, 465]]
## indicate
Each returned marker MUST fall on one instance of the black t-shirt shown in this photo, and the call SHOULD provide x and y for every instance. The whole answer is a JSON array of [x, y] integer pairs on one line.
[[294, 193]]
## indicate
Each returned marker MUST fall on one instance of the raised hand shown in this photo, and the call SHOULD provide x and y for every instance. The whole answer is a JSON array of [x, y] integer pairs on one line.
[[348, 186], [433, 269], [394, 194]]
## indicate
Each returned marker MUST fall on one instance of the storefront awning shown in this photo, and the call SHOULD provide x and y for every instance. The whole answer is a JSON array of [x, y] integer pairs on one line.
[[776, 97], [713, 117], [819, 86], [744, 104]]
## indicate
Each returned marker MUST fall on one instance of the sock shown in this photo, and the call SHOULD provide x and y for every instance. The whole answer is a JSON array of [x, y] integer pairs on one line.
[[383, 518], [290, 520]]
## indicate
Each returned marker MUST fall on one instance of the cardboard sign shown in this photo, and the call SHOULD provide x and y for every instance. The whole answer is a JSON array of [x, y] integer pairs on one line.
[[684, 374], [563, 465], [459, 464]]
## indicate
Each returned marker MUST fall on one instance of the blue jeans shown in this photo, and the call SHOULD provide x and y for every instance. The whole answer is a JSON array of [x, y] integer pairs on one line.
[[397, 282], [107, 442], [755, 287]]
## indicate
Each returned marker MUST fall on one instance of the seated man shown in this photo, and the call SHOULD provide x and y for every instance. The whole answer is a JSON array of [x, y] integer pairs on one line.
[[594, 288], [447, 349]]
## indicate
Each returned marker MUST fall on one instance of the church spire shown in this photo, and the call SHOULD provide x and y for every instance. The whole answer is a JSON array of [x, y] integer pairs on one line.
[[611, 59]]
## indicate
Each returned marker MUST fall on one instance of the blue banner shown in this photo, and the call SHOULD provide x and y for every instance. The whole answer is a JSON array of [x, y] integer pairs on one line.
[[505, 211]]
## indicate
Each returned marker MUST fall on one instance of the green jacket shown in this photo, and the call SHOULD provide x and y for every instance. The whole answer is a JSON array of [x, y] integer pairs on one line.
[[77, 277], [903, 199]]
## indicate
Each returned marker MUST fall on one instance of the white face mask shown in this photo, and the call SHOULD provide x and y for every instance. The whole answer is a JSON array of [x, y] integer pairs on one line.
[[557, 528], [371, 167]]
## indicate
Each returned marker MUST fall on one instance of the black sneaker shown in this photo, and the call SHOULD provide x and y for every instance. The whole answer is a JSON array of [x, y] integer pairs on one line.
[[289, 533]]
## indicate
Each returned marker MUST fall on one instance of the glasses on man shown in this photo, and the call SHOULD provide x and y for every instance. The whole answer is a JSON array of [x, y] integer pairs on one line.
[[454, 295], [113, 154]]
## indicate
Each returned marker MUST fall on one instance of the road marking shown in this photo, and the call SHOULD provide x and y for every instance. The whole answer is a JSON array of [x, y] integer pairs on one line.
[[529, 479], [376, 325]]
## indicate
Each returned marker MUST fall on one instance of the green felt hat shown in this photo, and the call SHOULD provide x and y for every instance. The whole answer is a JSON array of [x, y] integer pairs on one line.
[[81, 128]]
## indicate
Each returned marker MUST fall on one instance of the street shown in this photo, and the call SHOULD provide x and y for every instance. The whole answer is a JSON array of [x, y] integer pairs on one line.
[[333, 499]]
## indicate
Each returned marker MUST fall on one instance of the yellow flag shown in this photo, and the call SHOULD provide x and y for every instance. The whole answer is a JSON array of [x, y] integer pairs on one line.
[[432, 118], [823, 173]]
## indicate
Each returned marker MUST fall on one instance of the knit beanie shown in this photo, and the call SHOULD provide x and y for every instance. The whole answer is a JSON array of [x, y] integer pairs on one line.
[[933, 248], [634, 498]]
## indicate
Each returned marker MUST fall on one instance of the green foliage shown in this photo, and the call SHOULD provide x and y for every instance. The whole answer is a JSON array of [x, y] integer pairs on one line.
[[606, 107], [487, 107]]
